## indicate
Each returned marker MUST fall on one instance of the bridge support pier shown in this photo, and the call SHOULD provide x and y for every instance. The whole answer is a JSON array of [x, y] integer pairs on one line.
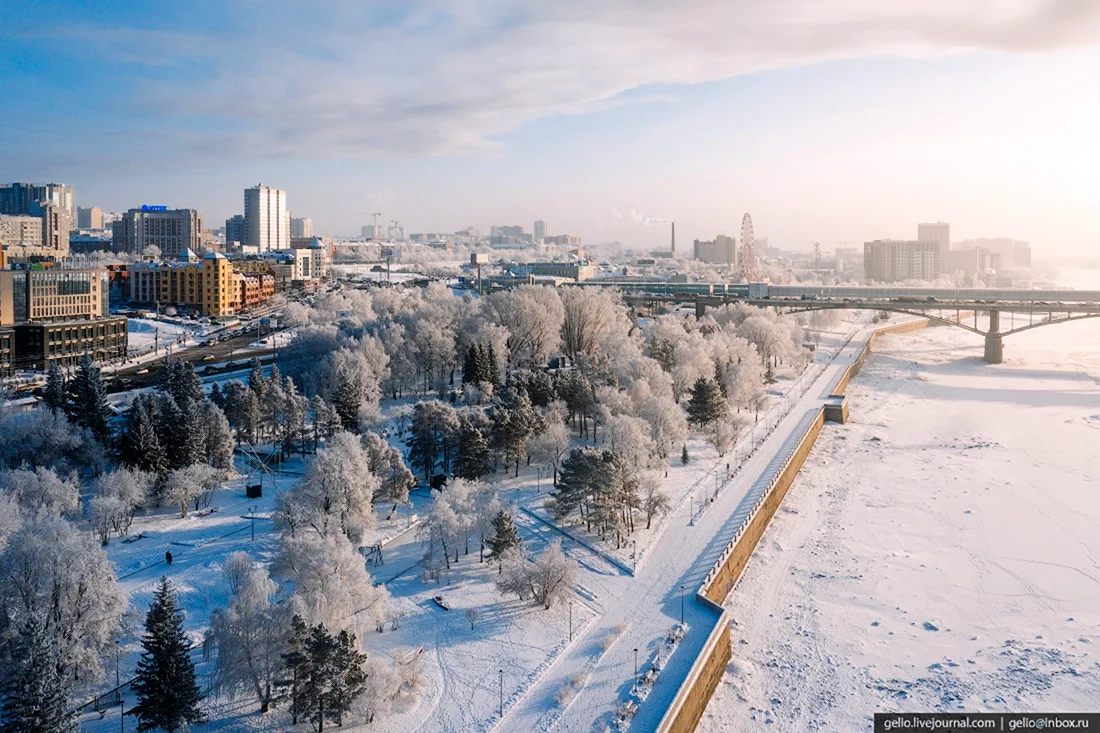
[[994, 347], [700, 308]]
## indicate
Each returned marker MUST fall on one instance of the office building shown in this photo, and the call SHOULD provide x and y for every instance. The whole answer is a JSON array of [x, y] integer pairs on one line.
[[90, 218], [16, 198], [267, 221], [42, 233], [890, 260], [173, 231], [540, 230], [938, 232], [50, 315], [721, 250], [301, 228]]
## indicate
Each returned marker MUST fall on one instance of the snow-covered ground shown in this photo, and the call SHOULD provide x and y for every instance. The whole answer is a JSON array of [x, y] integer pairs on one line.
[[940, 551]]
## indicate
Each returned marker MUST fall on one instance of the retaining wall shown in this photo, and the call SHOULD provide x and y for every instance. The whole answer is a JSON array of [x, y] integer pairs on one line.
[[697, 689]]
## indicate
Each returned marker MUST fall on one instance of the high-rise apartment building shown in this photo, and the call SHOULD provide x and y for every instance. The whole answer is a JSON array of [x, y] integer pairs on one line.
[[16, 198], [267, 221], [890, 260], [301, 228], [540, 230], [722, 250], [90, 218], [938, 232], [236, 229], [174, 231]]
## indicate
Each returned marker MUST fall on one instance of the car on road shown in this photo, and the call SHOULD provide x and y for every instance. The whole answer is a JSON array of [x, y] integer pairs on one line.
[[141, 372], [208, 357]]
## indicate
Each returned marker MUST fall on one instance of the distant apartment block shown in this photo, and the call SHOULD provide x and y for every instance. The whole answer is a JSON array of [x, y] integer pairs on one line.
[[16, 198], [42, 232], [267, 221], [235, 231], [301, 228], [1012, 252], [890, 260], [540, 230], [90, 218], [173, 231], [721, 250], [938, 232], [562, 240]]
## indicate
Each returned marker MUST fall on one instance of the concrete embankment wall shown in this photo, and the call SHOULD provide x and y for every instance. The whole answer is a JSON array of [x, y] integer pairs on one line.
[[697, 689]]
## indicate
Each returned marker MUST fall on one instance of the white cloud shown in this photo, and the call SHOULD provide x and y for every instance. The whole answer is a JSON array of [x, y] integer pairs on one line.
[[430, 78]]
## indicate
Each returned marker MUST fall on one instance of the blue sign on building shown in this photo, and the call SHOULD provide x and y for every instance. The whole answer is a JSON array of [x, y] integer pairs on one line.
[[147, 207]]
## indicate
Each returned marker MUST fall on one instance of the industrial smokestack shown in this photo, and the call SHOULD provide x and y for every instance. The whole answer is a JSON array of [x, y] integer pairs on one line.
[[673, 239]]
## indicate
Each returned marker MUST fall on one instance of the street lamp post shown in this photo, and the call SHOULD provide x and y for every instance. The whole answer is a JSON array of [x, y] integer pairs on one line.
[[691, 505], [635, 669], [502, 694], [634, 555], [681, 605], [570, 620], [252, 516]]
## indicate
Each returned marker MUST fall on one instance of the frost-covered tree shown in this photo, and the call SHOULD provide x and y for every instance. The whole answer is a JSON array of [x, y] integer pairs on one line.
[[385, 462], [706, 404], [548, 447], [250, 634], [168, 697], [46, 438], [36, 698], [629, 437], [336, 494], [655, 502], [52, 572], [326, 421], [589, 314], [667, 426], [546, 579], [182, 383], [723, 434], [118, 496], [191, 486], [330, 581], [42, 493], [533, 316]]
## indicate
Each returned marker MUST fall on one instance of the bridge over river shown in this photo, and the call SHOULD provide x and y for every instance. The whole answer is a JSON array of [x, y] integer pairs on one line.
[[1017, 309]]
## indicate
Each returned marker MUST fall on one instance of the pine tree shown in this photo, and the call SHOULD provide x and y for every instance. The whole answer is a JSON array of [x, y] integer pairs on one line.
[[684, 457], [256, 380], [719, 380], [88, 400], [190, 436], [140, 447], [296, 661], [769, 374], [168, 696], [347, 400], [183, 384], [216, 396], [492, 374], [55, 395], [707, 403], [470, 372], [505, 536], [35, 697], [328, 672], [473, 460]]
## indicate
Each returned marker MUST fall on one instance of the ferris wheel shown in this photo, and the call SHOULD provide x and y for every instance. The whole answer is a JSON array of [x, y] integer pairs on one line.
[[750, 272]]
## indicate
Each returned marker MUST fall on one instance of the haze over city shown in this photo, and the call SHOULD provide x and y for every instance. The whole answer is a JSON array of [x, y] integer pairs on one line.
[[832, 124]]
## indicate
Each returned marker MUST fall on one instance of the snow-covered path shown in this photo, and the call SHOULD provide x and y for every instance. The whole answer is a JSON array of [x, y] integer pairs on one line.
[[652, 601]]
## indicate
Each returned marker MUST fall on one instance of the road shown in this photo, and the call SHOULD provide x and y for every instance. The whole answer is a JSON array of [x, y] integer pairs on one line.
[[236, 348], [650, 604]]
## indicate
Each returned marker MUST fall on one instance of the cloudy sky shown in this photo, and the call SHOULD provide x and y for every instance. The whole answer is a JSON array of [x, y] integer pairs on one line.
[[829, 120]]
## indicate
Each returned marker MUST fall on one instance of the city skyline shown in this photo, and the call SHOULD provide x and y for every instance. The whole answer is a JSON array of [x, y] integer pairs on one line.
[[841, 131]]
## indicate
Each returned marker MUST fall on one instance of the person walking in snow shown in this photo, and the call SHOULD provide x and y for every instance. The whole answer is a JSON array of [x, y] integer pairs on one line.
[[168, 557]]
